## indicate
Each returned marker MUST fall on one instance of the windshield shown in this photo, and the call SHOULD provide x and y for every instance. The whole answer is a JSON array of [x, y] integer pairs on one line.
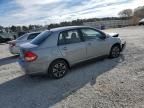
[[41, 37], [142, 20]]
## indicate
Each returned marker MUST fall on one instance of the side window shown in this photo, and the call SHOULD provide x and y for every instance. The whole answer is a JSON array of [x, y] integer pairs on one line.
[[32, 36], [90, 34], [69, 37]]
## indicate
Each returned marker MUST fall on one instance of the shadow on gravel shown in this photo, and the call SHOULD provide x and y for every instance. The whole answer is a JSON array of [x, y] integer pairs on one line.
[[8, 60], [43, 92]]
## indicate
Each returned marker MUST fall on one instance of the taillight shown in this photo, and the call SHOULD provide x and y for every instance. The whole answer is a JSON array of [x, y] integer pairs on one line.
[[30, 56]]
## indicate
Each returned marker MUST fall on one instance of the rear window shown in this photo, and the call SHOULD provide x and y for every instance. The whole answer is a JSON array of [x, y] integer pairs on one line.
[[32, 36], [41, 37], [22, 37]]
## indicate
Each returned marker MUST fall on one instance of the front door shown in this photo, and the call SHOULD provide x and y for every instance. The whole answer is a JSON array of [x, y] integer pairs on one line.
[[95, 42]]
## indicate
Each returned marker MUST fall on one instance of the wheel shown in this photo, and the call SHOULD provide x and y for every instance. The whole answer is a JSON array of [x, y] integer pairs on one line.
[[58, 69], [141, 24], [115, 51]]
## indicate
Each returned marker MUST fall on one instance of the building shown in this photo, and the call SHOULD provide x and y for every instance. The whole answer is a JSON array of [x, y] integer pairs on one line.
[[110, 23]]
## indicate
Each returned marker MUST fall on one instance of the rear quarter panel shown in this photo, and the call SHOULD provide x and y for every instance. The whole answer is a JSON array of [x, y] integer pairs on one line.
[[47, 52], [45, 57]]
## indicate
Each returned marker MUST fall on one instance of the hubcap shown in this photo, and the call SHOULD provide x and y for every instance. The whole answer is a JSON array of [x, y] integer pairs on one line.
[[115, 52], [59, 69]]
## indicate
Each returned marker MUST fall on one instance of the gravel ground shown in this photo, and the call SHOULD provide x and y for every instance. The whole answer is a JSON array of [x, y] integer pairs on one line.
[[107, 83]]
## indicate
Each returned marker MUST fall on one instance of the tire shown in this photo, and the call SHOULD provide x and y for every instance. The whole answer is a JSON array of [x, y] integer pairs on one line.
[[58, 69], [140, 24], [115, 51]]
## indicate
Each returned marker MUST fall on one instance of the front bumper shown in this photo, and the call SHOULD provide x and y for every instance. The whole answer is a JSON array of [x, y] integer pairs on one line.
[[14, 50], [123, 45]]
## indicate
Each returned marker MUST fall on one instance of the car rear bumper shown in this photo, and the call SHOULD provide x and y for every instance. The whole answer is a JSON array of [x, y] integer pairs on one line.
[[31, 68], [23, 65]]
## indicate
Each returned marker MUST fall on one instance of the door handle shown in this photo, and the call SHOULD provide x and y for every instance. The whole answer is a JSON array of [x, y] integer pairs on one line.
[[89, 44], [64, 48]]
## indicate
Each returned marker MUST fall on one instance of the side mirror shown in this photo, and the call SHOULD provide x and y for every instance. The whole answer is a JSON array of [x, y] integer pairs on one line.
[[103, 37]]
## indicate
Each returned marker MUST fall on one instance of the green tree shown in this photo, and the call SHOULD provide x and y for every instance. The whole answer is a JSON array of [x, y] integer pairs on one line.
[[7, 29], [25, 28], [30, 27], [13, 28], [18, 28]]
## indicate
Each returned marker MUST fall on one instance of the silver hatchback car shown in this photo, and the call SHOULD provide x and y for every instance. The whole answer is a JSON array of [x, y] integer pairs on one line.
[[55, 51]]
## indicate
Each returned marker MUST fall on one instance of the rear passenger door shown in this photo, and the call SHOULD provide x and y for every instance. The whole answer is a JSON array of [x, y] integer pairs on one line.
[[71, 46]]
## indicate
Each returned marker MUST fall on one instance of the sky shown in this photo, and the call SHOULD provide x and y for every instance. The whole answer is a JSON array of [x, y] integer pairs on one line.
[[25, 12]]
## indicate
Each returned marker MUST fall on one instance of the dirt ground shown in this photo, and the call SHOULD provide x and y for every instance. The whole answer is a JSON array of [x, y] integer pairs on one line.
[[107, 83]]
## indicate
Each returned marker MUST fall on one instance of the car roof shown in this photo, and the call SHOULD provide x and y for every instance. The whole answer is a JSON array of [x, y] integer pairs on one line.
[[59, 29], [33, 32]]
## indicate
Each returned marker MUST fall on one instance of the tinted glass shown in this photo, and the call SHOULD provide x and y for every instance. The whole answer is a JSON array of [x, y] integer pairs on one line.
[[90, 34], [41, 37], [32, 36], [69, 37]]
